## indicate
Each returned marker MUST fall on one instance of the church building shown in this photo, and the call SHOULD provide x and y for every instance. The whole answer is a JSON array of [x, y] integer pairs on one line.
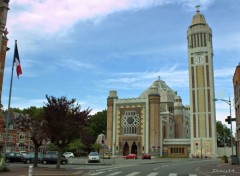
[[140, 125], [157, 122]]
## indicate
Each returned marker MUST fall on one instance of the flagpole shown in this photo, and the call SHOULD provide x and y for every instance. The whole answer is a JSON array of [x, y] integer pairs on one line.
[[9, 100]]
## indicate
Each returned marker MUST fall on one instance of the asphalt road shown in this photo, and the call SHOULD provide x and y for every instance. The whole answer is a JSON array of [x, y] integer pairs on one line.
[[153, 167]]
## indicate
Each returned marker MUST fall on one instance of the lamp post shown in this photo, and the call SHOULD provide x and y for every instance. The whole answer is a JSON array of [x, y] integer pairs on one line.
[[229, 120]]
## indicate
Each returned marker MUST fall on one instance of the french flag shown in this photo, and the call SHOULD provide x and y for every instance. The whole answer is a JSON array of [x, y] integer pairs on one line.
[[17, 61]]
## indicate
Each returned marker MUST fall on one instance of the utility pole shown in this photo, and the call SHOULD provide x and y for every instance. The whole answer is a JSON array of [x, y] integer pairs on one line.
[[229, 118]]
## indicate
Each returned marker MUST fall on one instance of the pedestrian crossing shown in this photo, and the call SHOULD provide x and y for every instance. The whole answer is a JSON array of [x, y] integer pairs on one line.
[[118, 173]]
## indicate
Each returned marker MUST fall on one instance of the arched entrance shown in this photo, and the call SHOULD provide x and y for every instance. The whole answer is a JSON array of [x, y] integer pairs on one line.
[[125, 149], [134, 148]]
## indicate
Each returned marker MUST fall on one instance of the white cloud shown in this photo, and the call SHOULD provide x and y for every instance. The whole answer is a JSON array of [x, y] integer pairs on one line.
[[224, 72], [74, 64], [142, 79], [51, 16], [23, 103]]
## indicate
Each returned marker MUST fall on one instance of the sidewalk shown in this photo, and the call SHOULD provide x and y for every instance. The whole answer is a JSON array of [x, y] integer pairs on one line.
[[220, 169], [40, 171]]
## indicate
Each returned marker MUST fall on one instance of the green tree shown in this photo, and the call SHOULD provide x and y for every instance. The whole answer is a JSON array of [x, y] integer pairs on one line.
[[223, 135], [98, 122], [63, 122], [96, 125], [30, 120], [76, 146]]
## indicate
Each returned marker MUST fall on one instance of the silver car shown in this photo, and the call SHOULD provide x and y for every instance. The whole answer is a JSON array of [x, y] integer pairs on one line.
[[68, 155], [94, 157]]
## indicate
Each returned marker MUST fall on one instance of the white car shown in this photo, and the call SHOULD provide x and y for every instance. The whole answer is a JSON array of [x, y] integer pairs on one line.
[[24, 153], [94, 157], [68, 155]]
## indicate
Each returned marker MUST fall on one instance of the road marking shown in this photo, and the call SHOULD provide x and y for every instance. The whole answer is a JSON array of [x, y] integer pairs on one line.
[[117, 167], [172, 174], [156, 168], [78, 172], [152, 174], [192, 175], [97, 173], [133, 173], [115, 173], [165, 165]]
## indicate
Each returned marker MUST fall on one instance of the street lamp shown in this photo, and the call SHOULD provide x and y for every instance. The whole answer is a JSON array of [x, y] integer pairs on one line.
[[229, 120]]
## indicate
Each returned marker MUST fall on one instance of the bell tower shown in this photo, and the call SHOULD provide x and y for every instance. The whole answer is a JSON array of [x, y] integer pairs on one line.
[[201, 83]]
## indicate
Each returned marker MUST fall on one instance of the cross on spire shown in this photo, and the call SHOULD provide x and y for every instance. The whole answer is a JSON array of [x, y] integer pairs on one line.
[[197, 7]]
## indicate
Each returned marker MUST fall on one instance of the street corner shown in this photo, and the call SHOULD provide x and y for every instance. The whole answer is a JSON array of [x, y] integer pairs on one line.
[[223, 169]]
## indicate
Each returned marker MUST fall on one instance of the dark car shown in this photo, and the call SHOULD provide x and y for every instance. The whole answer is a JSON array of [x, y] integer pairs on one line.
[[51, 158], [146, 156], [13, 157], [29, 158]]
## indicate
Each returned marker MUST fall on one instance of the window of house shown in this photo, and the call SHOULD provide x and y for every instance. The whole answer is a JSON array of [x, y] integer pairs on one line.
[[10, 137], [21, 136]]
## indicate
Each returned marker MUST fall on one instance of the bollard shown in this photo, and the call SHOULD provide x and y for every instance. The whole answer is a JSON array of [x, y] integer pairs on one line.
[[30, 170]]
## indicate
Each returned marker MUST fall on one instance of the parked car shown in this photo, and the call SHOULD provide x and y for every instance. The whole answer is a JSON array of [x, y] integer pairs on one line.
[[106, 156], [23, 152], [130, 156], [94, 157], [52, 152], [68, 155], [146, 156], [29, 158], [13, 157], [51, 158]]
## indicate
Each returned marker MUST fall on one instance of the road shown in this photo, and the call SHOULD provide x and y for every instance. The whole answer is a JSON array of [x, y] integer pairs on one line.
[[153, 167]]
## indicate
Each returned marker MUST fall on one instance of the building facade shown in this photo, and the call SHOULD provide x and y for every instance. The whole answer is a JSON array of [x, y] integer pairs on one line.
[[157, 122], [3, 49], [17, 140], [140, 125], [3, 40], [236, 87], [201, 84]]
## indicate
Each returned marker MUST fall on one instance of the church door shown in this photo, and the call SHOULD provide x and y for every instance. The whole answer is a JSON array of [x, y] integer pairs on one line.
[[134, 148], [125, 149]]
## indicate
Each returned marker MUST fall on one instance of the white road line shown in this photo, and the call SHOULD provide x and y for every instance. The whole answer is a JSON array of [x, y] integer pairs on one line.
[[156, 168], [192, 175], [133, 173], [97, 173], [165, 165], [114, 173], [117, 167], [152, 174], [172, 174], [78, 172]]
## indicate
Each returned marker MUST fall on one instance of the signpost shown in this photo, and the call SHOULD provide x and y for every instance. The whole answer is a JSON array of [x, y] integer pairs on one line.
[[103, 143]]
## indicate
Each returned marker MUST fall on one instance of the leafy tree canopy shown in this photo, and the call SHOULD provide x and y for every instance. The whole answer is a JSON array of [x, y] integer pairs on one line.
[[64, 120], [223, 134]]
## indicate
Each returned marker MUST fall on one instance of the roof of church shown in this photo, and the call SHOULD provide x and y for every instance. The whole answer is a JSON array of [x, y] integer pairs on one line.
[[166, 93]]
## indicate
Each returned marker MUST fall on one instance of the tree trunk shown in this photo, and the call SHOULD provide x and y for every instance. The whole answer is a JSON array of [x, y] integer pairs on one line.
[[59, 158], [36, 156]]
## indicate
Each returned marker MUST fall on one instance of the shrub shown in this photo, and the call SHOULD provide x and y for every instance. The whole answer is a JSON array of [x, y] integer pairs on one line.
[[225, 158]]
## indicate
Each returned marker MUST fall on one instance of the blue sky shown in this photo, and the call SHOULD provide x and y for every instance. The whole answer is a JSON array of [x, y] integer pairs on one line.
[[83, 49]]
